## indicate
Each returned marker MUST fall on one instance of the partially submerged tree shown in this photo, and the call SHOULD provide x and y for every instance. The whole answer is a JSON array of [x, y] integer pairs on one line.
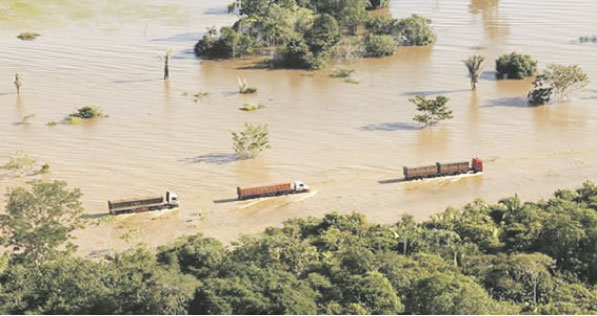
[[20, 162], [474, 64], [85, 113], [38, 221], [167, 64], [251, 141], [378, 45], [28, 36], [18, 83], [515, 66], [243, 86], [411, 31], [559, 81], [432, 111]]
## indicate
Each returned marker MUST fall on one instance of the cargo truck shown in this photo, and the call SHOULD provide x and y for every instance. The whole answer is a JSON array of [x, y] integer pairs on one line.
[[443, 169], [273, 189], [170, 200]]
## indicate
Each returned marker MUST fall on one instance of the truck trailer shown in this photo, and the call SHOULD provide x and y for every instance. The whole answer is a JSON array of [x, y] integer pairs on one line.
[[443, 169], [263, 190], [134, 205]]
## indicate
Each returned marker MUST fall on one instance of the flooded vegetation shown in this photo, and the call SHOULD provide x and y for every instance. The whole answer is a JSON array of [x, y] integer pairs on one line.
[[343, 139], [507, 258]]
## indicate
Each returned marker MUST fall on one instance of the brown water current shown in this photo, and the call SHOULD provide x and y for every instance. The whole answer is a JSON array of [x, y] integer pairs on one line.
[[342, 139]]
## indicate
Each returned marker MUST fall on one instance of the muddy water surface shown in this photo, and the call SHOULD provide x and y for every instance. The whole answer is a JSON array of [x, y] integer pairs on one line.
[[342, 139]]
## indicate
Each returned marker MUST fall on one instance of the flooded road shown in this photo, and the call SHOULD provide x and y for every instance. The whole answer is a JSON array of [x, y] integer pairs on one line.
[[341, 139]]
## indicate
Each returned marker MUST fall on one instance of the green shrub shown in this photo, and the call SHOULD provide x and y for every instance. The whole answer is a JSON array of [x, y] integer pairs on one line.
[[540, 96], [323, 35], [19, 161], [72, 120], [87, 112], [515, 66], [45, 168], [341, 73], [51, 123], [412, 31], [250, 107], [28, 36], [251, 141], [382, 25], [296, 55], [230, 44], [379, 45], [415, 30]]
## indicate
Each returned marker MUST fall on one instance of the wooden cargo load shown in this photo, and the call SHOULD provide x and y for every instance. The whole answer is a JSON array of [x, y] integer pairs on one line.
[[264, 190], [453, 168], [420, 172], [137, 203]]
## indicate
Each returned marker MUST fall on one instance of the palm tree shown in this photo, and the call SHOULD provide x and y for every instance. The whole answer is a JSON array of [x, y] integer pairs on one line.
[[474, 64]]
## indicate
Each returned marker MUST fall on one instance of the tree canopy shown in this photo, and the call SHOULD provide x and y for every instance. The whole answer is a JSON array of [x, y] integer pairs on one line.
[[304, 33], [510, 257]]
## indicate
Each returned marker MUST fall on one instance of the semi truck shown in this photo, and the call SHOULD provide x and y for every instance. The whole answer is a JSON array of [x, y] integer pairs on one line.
[[134, 205], [443, 169], [263, 190]]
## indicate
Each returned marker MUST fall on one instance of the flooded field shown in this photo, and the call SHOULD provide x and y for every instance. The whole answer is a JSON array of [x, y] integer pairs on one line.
[[347, 141]]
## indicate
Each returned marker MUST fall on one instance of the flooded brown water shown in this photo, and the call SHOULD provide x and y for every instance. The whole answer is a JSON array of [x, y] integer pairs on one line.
[[342, 139]]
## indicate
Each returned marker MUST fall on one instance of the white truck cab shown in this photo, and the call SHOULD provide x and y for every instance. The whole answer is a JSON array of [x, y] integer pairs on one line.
[[299, 186], [172, 199]]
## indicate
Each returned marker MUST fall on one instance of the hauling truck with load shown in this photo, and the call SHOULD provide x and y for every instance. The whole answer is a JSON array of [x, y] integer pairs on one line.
[[170, 200], [274, 189], [443, 169]]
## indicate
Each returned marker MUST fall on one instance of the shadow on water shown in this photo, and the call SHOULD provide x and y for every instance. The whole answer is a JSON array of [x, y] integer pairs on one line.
[[217, 11], [433, 92], [137, 80], [389, 127], [389, 181], [7, 93], [226, 200], [517, 102], [216, 159], [95, 216], [182, 37], [490, 75], [230, 93]]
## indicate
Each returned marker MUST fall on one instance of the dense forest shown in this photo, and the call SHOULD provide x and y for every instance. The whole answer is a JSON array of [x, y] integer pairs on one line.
[[504, 258], [307, 33]]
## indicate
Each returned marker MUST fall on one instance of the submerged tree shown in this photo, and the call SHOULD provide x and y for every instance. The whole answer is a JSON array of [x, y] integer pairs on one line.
[[250, 142], [515, 66], [18, 83], [474, 64], [38, 221], [166, 64], [433, 110], [20, 162]]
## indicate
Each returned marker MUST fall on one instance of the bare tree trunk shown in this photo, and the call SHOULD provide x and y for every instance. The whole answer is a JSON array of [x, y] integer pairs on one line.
[[166, 66]]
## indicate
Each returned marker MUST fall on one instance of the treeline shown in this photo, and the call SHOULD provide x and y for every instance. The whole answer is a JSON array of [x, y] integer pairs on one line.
[[505, 258], [305, 33]]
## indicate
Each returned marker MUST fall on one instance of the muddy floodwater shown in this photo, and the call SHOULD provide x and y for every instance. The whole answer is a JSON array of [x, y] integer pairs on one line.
[[347, 141]]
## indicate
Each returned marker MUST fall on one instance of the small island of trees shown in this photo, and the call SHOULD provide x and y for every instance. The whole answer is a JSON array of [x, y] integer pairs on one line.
[[304, 34]]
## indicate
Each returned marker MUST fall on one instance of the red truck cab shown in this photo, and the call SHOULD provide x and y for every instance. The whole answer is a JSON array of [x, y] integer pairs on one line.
[[477, 165]]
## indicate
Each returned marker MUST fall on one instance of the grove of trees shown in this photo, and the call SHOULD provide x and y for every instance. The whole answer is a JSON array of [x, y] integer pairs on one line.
[[304, 33], [510, 257]]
